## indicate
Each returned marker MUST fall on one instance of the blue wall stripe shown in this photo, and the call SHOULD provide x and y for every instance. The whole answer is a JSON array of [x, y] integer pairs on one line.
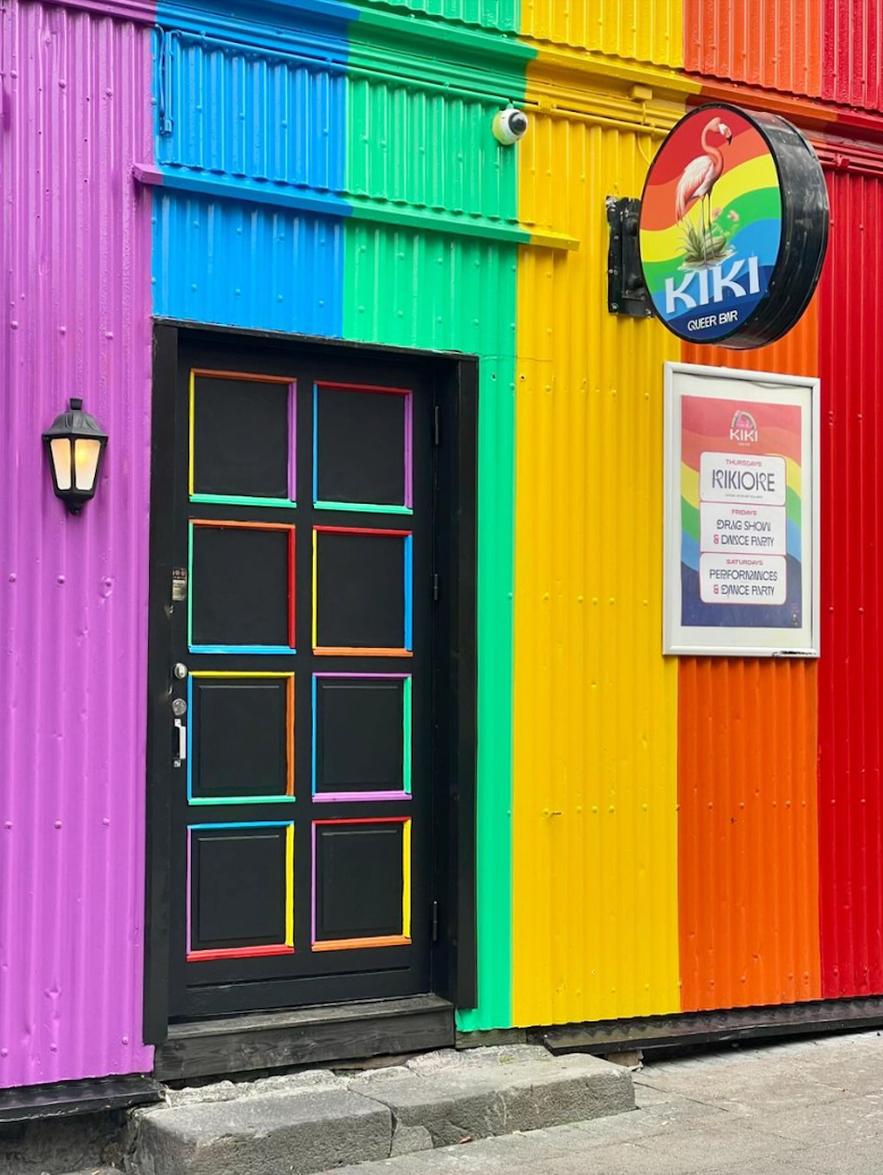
[[247, 119]]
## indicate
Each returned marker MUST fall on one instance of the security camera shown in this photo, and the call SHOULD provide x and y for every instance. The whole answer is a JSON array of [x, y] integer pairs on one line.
[[509, 126]]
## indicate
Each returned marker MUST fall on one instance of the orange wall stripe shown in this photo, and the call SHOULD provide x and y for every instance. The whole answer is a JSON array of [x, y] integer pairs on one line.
[[748, 875]]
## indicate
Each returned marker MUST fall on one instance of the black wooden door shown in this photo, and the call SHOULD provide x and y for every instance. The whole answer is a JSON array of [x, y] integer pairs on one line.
[[301, 708]]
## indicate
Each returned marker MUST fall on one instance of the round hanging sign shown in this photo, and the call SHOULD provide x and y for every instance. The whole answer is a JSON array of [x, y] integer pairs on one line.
[[733, 227]]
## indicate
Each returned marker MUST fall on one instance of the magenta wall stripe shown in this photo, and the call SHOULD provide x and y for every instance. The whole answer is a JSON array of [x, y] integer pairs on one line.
[[76, 304]]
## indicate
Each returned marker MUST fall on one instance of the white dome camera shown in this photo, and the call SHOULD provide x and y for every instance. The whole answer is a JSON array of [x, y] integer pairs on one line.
[[510, 126]]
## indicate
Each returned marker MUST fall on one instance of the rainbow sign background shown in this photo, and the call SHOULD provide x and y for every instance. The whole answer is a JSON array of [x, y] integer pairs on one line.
[[705, 286], [706, 427]]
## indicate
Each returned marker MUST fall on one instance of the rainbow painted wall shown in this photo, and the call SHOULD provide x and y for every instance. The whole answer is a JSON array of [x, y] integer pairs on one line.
[[655, 835]]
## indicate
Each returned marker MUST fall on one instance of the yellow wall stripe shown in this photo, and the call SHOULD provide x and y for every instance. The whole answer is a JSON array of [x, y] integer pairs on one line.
[[595, 742]]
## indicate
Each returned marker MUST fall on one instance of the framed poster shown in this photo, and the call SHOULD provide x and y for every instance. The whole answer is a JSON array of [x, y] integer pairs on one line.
[[741, 513]]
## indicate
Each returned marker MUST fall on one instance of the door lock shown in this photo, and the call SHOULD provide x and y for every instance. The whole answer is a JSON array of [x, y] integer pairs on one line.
[[180, 671], [181, 752], [179, 707]]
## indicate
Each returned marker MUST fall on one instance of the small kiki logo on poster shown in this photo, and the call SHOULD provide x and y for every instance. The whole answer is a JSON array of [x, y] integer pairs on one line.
[[743, 429]]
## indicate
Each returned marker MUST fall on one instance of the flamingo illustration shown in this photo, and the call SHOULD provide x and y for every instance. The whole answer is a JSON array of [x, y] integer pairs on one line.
[[700, 175]]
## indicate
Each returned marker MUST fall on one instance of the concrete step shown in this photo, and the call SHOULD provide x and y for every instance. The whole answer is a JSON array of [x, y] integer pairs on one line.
[[319, 1121]]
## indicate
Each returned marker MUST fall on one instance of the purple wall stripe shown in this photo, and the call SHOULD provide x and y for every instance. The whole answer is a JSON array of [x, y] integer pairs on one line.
[[73, 591]]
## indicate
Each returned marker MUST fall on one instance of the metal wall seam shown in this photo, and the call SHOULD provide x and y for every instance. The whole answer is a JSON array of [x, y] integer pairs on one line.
[[776, 44], [73, 591], [451, 293], [748, 795], [850, 703], [641, 30], [595, 753]]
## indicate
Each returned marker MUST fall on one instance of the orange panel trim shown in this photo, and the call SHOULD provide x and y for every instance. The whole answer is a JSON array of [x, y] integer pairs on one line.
[[359, 944]]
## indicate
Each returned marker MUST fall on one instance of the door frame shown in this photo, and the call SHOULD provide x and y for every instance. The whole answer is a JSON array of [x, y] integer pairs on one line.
[[453, 958]]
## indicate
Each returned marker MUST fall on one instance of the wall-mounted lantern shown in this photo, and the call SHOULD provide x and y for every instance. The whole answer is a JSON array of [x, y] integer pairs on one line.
[[74, 446]]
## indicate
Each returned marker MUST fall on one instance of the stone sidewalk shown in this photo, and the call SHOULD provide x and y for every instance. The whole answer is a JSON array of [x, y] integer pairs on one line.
[[814, 1107]]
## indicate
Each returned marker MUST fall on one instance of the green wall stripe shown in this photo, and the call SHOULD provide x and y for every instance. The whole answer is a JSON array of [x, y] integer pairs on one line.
[[435, 291]]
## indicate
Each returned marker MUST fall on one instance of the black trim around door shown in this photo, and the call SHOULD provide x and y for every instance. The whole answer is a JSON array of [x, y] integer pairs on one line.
[[455, 381]]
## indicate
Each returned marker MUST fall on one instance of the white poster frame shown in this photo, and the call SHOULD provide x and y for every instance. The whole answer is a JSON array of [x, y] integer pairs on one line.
[[684, 379]]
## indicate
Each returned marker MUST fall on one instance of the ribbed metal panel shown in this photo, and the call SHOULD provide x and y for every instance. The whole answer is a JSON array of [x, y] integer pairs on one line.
[[252, 118], [772, 43], [747, 833], [255, 115], [490, 14], [247, 265], [747, 795], [73, 591], [427, 148], [850, 702], [595, 921], [436, 292], [645, 30], [853, 53]]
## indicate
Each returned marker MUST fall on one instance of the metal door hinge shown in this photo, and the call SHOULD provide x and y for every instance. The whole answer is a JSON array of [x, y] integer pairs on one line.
[[435, 588], [436, 425], [435, 921]]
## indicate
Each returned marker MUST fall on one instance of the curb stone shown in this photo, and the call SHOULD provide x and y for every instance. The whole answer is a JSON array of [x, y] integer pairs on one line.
[[317, 1121]]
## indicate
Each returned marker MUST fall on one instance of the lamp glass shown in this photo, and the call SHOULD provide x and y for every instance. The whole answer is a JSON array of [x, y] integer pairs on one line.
[[61, 461], [86, 454]]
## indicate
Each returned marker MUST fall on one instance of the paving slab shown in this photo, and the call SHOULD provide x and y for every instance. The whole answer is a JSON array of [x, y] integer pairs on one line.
[[273, 1134], [459, 1097]]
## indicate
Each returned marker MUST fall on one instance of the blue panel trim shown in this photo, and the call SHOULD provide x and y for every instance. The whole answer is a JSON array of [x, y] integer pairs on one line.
[[272, 650], [242, 824], [409, 602]]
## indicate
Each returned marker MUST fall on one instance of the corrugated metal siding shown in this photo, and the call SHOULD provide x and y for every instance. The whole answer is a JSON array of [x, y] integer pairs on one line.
[[247, 265], [850, 703], [427, 149], [250, 117], [251, 114], [747, 796], [437, 292], [595, 739], [645, 30], [73, 591], [853, 53], [771, 43], [490, 14], [748, 869]]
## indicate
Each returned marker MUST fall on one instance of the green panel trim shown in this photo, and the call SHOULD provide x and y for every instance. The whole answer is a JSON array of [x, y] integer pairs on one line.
[[236, 500], [211, 802], [362, 508], [407, 734]]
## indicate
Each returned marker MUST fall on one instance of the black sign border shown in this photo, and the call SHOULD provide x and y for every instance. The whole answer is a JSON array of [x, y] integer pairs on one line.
[[804, 239]]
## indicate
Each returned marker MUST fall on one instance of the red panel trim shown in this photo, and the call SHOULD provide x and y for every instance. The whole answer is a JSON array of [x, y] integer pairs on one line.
[[362, 388], [239, 953]]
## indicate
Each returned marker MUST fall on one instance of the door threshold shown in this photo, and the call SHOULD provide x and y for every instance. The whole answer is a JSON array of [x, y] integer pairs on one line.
[[305, 1036]]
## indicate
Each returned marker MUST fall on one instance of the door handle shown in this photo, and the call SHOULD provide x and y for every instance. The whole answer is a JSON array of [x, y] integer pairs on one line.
[[181, 730]]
